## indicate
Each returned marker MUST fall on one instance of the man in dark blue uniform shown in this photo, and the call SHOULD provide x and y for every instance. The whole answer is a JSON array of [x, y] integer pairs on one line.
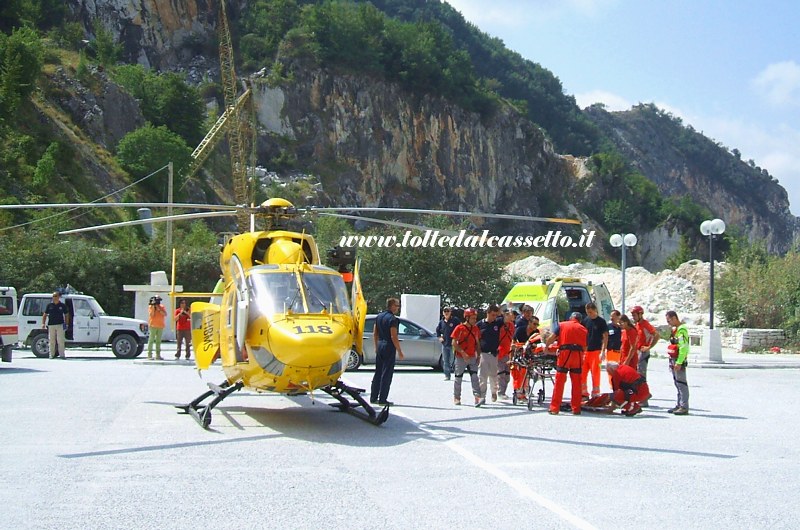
[[387, 348], [444, 330], [490, 341]]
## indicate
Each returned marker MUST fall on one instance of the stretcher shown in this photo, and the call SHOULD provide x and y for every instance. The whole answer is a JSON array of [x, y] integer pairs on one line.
[[536, 364]]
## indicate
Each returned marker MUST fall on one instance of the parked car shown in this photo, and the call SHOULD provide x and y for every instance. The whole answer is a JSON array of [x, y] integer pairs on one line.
[[420, 346], [89, 327], [8, 322]]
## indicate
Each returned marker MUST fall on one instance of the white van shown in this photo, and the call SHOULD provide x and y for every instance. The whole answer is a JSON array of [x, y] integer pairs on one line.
[[90, 326], [554, 300], [9, 327]]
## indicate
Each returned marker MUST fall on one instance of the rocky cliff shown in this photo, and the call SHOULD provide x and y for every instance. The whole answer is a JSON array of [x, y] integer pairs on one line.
[[681, 161], [156, 33], [379, 145]]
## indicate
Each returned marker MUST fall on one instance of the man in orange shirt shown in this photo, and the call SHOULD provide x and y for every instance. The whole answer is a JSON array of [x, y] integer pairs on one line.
[[648, 337], [466, 344], [157, 314], [571, 347]]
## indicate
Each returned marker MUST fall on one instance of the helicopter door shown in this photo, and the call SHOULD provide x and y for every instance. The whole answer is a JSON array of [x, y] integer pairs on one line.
[[241, 307], [359, 309]]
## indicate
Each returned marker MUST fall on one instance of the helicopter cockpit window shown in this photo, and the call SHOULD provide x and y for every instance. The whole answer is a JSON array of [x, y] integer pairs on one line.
[[280, 292]]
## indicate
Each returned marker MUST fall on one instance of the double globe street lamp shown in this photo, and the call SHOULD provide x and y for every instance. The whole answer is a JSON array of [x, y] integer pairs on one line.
[[712, 229], [619, 240]]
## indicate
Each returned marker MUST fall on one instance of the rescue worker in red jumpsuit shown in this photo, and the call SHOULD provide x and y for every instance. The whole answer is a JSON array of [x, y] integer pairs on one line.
[[466, 346], [572, 340], [628, 353], [630, 389]]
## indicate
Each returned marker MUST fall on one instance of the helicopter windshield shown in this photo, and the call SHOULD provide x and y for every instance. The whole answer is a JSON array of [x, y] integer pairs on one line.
[[280, 292]]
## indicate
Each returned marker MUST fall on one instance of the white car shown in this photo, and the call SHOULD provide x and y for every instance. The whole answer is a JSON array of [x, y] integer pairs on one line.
[[90, 326], [420, 346], [8, 322]]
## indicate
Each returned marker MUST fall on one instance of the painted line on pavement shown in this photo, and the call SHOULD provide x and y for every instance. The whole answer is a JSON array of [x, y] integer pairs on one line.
[[522, 489]]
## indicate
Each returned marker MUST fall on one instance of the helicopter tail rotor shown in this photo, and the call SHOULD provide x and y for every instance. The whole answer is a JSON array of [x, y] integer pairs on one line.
[[340, 391]]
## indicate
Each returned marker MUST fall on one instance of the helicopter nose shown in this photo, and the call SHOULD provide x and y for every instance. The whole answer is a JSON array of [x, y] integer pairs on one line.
[[309, 343]]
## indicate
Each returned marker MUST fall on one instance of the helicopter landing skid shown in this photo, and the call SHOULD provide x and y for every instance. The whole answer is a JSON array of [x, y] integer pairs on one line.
[[202, 414], [369, 414]]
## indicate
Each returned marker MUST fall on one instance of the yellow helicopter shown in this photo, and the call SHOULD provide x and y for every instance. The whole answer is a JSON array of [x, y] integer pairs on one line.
[[283, 322]]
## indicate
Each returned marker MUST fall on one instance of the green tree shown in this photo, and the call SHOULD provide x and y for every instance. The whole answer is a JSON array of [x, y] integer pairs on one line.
[[21, 59], [149, 148], [165, 99], [46, 167], [106, 49]]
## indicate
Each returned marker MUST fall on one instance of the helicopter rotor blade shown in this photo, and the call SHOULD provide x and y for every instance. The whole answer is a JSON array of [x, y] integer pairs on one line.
[[453, 213], [122, 205], [179, 217], [442, 231]]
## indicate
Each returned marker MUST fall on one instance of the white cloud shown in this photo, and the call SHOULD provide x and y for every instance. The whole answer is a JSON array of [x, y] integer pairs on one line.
[[517, 13], [779, 84], [613, 102]]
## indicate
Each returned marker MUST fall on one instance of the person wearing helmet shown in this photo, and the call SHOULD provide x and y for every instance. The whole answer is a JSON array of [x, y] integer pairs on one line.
[[648, 337], [571, 347], [466, 341]]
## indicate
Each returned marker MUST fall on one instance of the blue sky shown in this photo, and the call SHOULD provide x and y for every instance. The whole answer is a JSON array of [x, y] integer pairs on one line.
[[731, 68]]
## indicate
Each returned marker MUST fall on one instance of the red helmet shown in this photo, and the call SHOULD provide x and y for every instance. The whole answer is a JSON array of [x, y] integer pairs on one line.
[[637, 309], [469, 312]]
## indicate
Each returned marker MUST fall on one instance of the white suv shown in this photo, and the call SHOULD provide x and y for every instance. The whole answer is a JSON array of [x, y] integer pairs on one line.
[[89, 326], [8, 322]]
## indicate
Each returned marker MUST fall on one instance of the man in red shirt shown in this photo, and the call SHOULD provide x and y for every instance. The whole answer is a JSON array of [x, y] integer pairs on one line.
[[627, 353], [630, 389], [466, 343], [183, 328], [503, 351], [572, 338], [648, 337]]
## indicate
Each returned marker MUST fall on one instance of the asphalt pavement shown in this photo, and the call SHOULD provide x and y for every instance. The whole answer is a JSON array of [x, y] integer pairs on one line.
[[94, 441]]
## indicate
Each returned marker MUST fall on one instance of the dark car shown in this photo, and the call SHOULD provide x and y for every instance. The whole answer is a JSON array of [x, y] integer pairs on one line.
[[420, 346]]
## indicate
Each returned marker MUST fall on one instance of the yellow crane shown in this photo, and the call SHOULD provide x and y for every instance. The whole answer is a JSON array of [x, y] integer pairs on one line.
[[233, 121]]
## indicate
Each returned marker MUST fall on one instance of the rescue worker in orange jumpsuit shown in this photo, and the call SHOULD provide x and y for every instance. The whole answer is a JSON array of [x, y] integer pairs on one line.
[[503, 350], [630, 389], [466, 345], [571, 347], [525, 340], [630, 339], [596, 348]]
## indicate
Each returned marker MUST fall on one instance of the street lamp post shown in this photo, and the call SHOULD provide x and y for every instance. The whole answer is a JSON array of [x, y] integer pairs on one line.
[[712, 228], [618, 240]]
